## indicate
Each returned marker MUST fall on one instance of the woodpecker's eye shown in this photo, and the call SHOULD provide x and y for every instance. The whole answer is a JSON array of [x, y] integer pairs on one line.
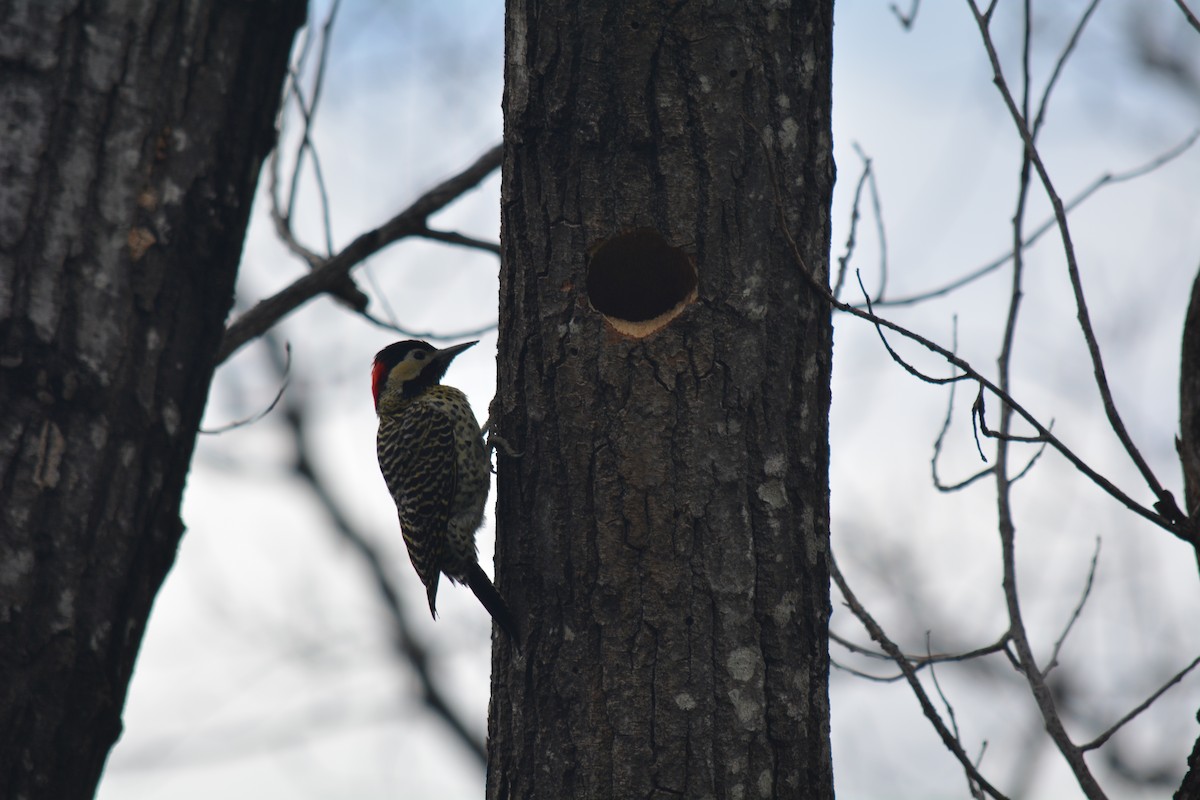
[[419, 355]]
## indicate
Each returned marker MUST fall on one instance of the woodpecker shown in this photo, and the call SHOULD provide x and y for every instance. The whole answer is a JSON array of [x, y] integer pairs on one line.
[[432, 457]]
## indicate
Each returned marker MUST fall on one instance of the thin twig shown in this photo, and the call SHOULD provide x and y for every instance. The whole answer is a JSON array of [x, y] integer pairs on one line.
[[979, 426], [866, 676], [979, 412], [282, 221], [1059, 64], [1188, 15], [972, 786], [1087, 591], [876, 633], [286, 370], [282, 215], [308, 112], [977, 421], [1032, 460], [920, 662], [939, 442], [1149, 701], [964, 483], [877, 211], [451, 237], [909, 368], [852, 236]]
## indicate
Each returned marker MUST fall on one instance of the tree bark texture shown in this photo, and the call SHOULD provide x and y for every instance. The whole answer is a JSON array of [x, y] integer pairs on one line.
[[664, 374], [132, 136], [1188, 445], [1189, 404]]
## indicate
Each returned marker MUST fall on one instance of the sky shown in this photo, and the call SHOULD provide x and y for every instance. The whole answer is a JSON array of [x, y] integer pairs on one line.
[[267, 667]]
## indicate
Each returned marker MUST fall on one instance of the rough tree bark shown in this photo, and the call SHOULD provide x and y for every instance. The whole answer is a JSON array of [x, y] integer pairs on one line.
[[664, 372], [132, 135], [1188, 445]]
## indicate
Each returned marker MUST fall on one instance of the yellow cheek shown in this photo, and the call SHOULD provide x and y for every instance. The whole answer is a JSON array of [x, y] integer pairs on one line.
[[404, 372]]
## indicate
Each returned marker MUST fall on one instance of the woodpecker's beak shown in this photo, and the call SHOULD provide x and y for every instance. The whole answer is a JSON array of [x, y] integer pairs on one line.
[[447, 355]]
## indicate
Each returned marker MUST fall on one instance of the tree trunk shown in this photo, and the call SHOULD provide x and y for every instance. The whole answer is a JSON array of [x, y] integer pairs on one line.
[[1188, 445], [131, 143], [664, 373]]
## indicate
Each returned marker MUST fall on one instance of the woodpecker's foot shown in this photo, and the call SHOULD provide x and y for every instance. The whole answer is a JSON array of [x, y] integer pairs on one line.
[[497, 442], [493, 441]]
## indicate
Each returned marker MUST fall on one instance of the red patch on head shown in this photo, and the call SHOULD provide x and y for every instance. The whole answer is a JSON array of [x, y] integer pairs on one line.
[[378, 378]]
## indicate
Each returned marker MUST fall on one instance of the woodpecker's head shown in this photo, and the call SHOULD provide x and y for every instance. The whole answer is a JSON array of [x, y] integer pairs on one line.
[[409, 368]]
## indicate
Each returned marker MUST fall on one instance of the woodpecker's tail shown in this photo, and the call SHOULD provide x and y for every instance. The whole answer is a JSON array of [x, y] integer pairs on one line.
[[482, 586], [431, 592]]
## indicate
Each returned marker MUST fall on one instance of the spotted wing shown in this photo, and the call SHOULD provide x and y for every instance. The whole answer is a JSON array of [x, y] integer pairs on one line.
[[417, 457]]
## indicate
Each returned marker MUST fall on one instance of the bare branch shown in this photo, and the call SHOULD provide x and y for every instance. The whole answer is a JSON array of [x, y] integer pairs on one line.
[[979, 426], [909, 368], [978, 422], [1059, 64], [939, 442], [1107, 179], [410, 222], [1188, 15], [877, 210], [876, 633], [1087, 591], [450, 237], [1044, 433], [964, 483], [282, 221], [1027, 664], [286, 370], [281, 215], [972, 786], [918, 662], [1149, 701], [1167, 523], [979, 411], [1165, 504], [308, 111], [852, 236], [453, 238], [1032, 460], [866, 676]]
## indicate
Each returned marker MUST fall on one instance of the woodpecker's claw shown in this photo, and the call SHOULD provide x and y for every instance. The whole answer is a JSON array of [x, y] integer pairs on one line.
[[494, 441]]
